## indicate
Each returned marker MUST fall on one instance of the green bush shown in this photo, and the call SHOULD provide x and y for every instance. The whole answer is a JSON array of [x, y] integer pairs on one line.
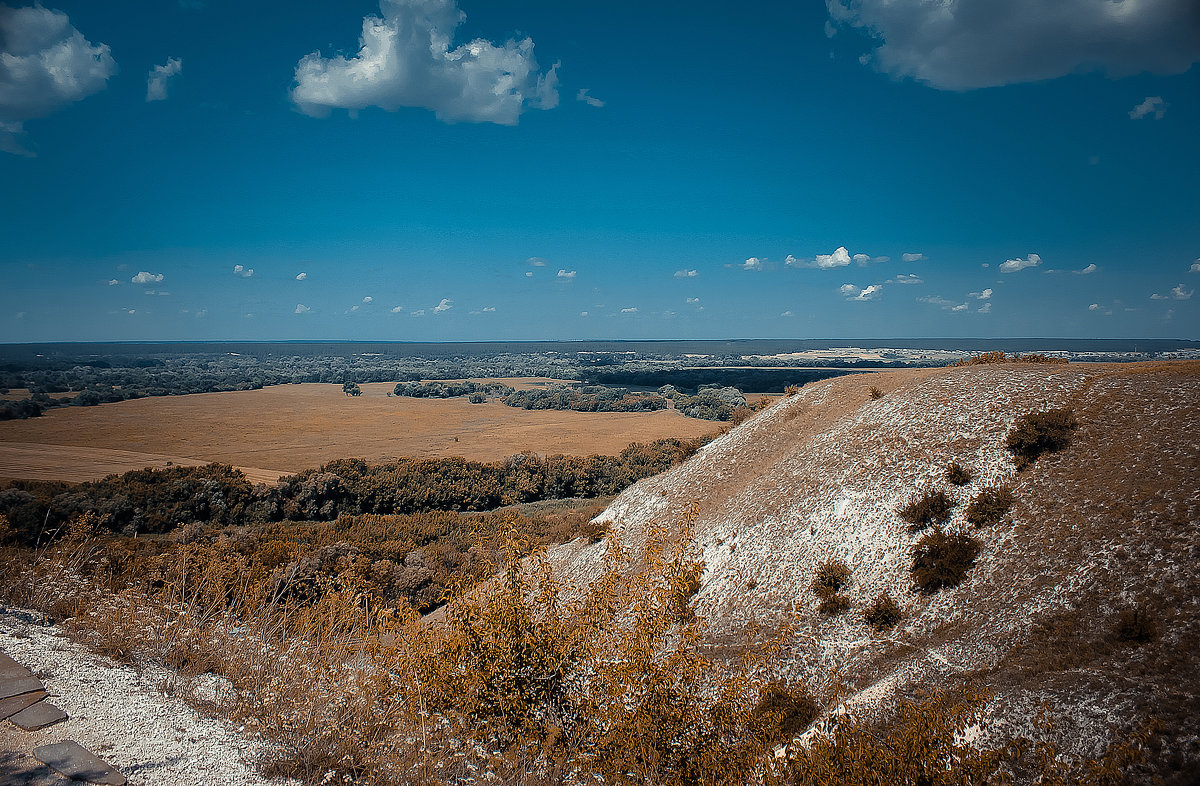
[[957, 474], [1036, 433], [883, 612], [989, 506], [925, 508], [942, 560]]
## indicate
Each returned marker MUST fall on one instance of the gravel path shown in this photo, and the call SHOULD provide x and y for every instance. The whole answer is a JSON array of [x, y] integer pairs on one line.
[[120, 714]]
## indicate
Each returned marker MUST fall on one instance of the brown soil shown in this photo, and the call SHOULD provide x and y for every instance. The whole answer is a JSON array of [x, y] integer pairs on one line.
[[288, 428]]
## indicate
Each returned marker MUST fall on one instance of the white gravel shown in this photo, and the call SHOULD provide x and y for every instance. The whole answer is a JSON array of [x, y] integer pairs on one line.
[[122, 715]]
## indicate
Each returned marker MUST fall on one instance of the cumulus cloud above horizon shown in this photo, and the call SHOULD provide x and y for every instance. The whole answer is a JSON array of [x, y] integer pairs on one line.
[[45, 64], [405, 59], [971, 44], [159, 76]]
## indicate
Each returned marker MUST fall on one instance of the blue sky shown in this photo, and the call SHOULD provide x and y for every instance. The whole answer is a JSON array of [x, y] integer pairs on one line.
[[432, 170]]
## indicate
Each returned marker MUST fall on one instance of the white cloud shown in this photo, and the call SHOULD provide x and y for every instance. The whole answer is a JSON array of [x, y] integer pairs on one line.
[[445, 305], [45, 64], [693, 300], [984, 295], [1179, 293], [352, 309], [686, 273], [202, 313], [583, 313], [981, 43], [1195, 268], [529, 274], [536, 261], [368, 299], [244, 272], [147, 278], [397, 309], [112, 282], [862, 260], [787, 313], [753, 263], [1087, 271], [420, 312], [960, 307], [986, 308], [1094, 307], [156, 81], [567, 274], [905, 278], [862, 294], [943, 303], [405, 60], [489, 309], [583, 96], [1152, 106], [910, 257], [1015, 265], [301, 276], [301, 309], [630, 310], [839, 258]]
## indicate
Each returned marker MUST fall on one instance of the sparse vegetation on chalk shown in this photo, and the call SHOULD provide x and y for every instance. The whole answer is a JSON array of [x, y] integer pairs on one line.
[[876, 393], [941, 560], [1037, 433]]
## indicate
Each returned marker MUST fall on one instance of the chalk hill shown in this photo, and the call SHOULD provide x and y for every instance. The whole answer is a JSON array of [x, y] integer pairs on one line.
[[1084, 599]]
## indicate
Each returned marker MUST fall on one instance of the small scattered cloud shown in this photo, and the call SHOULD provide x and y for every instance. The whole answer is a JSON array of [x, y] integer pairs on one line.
[[1153, 106], [112, 282], [583, 313], [753, 263], [861, 294], [905, 278], [159, 76], [489, 309], [244, 272], [45, 65], [1179, 293], [1016, 265], [1094, 307], [301, 276], [445, 305], [201, 314], [352, 309], [1195, 268], [685, 273], [368, 299], [567, 274], [583, 96], [404, 59], [420, 312], [1087, 271], [630, 310], [301, 309], [911, 257], [986, 308], [942, 303], [397, 309], [536, 261], [787, 313], [960, 307], [693, 301], [984, 295], [862, 260], [147, 278], [529, 274]]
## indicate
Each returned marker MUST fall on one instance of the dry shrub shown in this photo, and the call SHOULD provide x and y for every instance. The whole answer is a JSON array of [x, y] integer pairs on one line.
[[986, 358], [791, 390], [1036, 433], [832, 575], [942, 560], [876, 393], [989, 506], [1038, 357], [883, 612], [740, 415], [834, 604], [957, 474], [925, 508]]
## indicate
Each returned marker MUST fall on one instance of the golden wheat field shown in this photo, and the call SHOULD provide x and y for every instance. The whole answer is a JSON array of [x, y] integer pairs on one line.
[[288, 428]]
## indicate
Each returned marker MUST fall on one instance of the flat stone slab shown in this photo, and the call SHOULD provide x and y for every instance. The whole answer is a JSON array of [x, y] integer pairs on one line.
[[38, 716], [9, 668], [75, 761], [14, 704], [15, 686]]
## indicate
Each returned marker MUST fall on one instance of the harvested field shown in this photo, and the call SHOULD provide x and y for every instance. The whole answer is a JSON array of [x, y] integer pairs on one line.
[[288, 428]]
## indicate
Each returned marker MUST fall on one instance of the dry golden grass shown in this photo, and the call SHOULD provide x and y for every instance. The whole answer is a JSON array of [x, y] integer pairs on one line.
[[293, 427]]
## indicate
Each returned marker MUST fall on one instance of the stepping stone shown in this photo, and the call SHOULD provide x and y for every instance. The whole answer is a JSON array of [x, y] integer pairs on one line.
[[15, 686], [71, 759], [15, 704], [38, 716], [9, 668]]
